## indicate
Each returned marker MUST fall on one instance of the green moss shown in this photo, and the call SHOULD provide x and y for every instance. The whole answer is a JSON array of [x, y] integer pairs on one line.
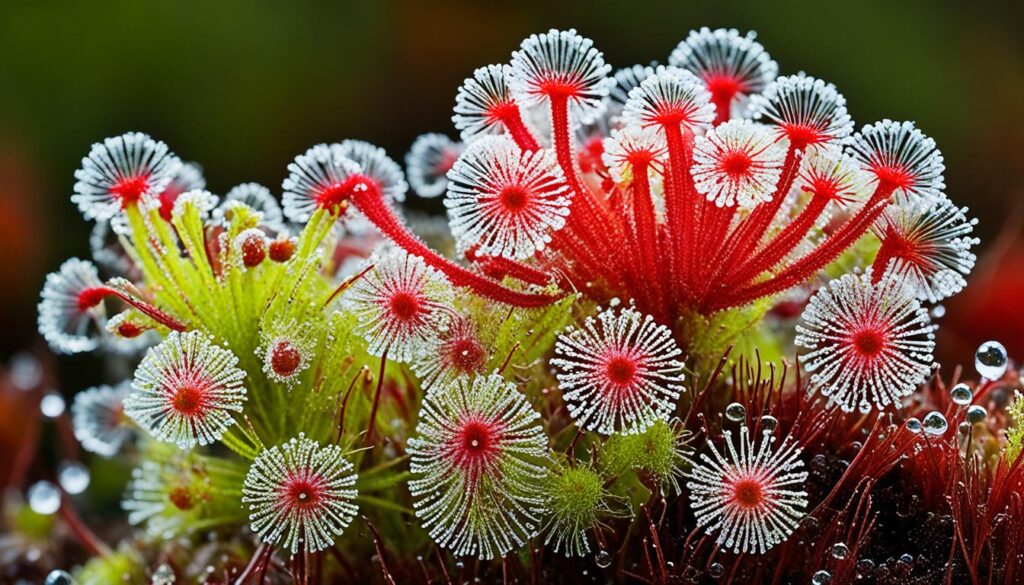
[[577, 499], [123, 566], [658, 452], [1015, 433]]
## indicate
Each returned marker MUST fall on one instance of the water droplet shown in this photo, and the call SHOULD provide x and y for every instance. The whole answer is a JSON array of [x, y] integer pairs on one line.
[[964, 428], [769, 423], [716, 570], [735, 412], [59, 577], [913, 425], [25, 371], [990, 360], [906, 558], [822, 577], [52, 405], [939, 311], [164, 575], [840, 550], [961, 394], [865, 566], [976, 413], [603, 559], [73, 477], [44, 498], [934, 423], [864, 407]]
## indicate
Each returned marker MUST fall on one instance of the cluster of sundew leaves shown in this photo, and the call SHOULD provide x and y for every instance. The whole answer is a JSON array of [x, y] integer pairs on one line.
[[237, 310], [244, 306]]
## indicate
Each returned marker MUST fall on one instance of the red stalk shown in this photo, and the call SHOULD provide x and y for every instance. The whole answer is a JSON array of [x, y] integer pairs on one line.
[[803, 268], [376, 400], [143, 307], [586, 217], [678, 209], [647, 236], [512, 118], [748, 234], [506, 267], [781, 244]]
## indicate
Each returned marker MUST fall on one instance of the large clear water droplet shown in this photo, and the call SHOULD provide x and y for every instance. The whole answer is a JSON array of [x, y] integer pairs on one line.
[[769, 423], [961, 394], [822, 577], [913, 425], [990, 360], [840, 550], [976, 413], [59, 577], [73, 477], [52, 405], [44, 498], [735, 412], [934, 423], [603, 559], [716, 570]]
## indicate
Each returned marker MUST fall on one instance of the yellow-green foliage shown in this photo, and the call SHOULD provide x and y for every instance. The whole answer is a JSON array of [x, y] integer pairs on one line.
[[123, 566], [657, 452], [1015, 433]]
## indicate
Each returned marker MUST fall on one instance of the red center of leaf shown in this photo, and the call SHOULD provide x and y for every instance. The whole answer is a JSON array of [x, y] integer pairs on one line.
[[869, 342], [285, 358], [404, 306], [467, 355], [736, 163], [747, 493], [181, 497], [476, 439], [188, 400], [621, 370], [303, 493], [130, 189], [514, 198]]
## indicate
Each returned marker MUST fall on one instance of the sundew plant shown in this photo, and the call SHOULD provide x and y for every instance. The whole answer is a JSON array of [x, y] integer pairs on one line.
[[582, 377]]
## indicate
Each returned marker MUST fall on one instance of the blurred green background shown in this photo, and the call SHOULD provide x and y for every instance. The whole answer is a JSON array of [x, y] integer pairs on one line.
[[243, 86]]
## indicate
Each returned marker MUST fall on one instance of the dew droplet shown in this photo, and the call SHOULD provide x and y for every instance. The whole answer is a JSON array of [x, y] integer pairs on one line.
[[25, 371], [938, 311], [976, 413], [840, 550], [44, 498], [913, 425], [961, 394], [934, 423], [59, 577], [990, 360], [52, 405], [769, 423], [716, 570], [735, 412], [164, 575], [906, 558], [603, 559], [964, 428], [864, 407], [73, 477], [865, 566], [822, 577]]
